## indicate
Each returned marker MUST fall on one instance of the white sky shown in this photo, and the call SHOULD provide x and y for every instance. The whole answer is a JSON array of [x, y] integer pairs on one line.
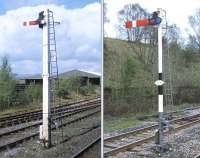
[[177, 11], [78, 38]]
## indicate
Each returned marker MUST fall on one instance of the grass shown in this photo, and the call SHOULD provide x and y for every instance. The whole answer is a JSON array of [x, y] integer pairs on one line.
[[112, 124], [116, 123], [19, 109]]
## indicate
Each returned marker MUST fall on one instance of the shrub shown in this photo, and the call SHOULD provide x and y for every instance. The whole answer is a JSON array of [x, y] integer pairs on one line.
[[34, 93]]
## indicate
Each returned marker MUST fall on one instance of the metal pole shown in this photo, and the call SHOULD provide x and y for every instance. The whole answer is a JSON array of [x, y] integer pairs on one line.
[[155, 20], [46, 131], [160, 87]]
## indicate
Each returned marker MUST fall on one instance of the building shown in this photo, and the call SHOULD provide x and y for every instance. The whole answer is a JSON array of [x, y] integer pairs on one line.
[[86, 78]]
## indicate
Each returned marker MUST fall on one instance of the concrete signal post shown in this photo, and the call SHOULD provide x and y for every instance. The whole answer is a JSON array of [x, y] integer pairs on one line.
[[155, 20], [43, 23]]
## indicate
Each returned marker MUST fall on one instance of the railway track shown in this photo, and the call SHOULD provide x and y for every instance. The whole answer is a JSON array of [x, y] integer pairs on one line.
[[11, 136], [37, 115], [14, 129], [136, 138]]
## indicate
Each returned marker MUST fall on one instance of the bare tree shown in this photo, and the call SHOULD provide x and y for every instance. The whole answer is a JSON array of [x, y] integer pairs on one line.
[[194, 37], [140, 36], [173, 33], [105, 18]]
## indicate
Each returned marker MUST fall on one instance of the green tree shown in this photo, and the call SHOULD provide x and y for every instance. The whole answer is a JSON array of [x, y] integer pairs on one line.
[[128, 73], [7, 84]]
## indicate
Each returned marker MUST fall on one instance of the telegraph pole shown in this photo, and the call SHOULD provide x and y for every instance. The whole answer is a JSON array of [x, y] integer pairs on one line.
[[45, 129], [155, 20]]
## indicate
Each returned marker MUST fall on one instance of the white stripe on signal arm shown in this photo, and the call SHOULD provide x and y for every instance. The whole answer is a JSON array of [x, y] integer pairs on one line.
[[30, 23]]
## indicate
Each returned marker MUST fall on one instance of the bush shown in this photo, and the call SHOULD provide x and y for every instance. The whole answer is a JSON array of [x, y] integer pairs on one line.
[[90, 89], [62, 92], [133, 100], [34, 93]]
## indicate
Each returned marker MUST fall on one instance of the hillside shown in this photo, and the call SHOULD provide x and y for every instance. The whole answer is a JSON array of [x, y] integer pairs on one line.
[[120, 62], [130, 70]]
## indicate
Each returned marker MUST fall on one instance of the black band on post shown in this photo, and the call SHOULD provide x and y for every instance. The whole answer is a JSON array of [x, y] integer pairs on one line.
[[160, 76], [160, 90]]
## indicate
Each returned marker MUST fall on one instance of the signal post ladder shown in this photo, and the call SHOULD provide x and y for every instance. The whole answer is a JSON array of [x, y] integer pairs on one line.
[[44, 22]]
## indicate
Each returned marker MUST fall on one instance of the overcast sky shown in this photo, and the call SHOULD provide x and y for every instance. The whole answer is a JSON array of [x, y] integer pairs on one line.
[[78, 36], [177, 11]]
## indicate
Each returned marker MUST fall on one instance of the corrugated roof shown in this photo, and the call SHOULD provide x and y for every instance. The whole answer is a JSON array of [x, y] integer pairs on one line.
[[78, 73], [37, 76], [66, 75]]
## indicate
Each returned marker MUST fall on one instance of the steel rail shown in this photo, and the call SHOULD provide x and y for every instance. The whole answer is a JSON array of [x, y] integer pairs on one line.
[[139, 130], [21, 140], [38, 123], [25, 120], [70, 105], [37, 116], [142, 141]]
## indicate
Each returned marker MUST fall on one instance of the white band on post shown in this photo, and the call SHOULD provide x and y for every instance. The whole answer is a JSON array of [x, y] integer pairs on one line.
[[160, 103], [159, 49]]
